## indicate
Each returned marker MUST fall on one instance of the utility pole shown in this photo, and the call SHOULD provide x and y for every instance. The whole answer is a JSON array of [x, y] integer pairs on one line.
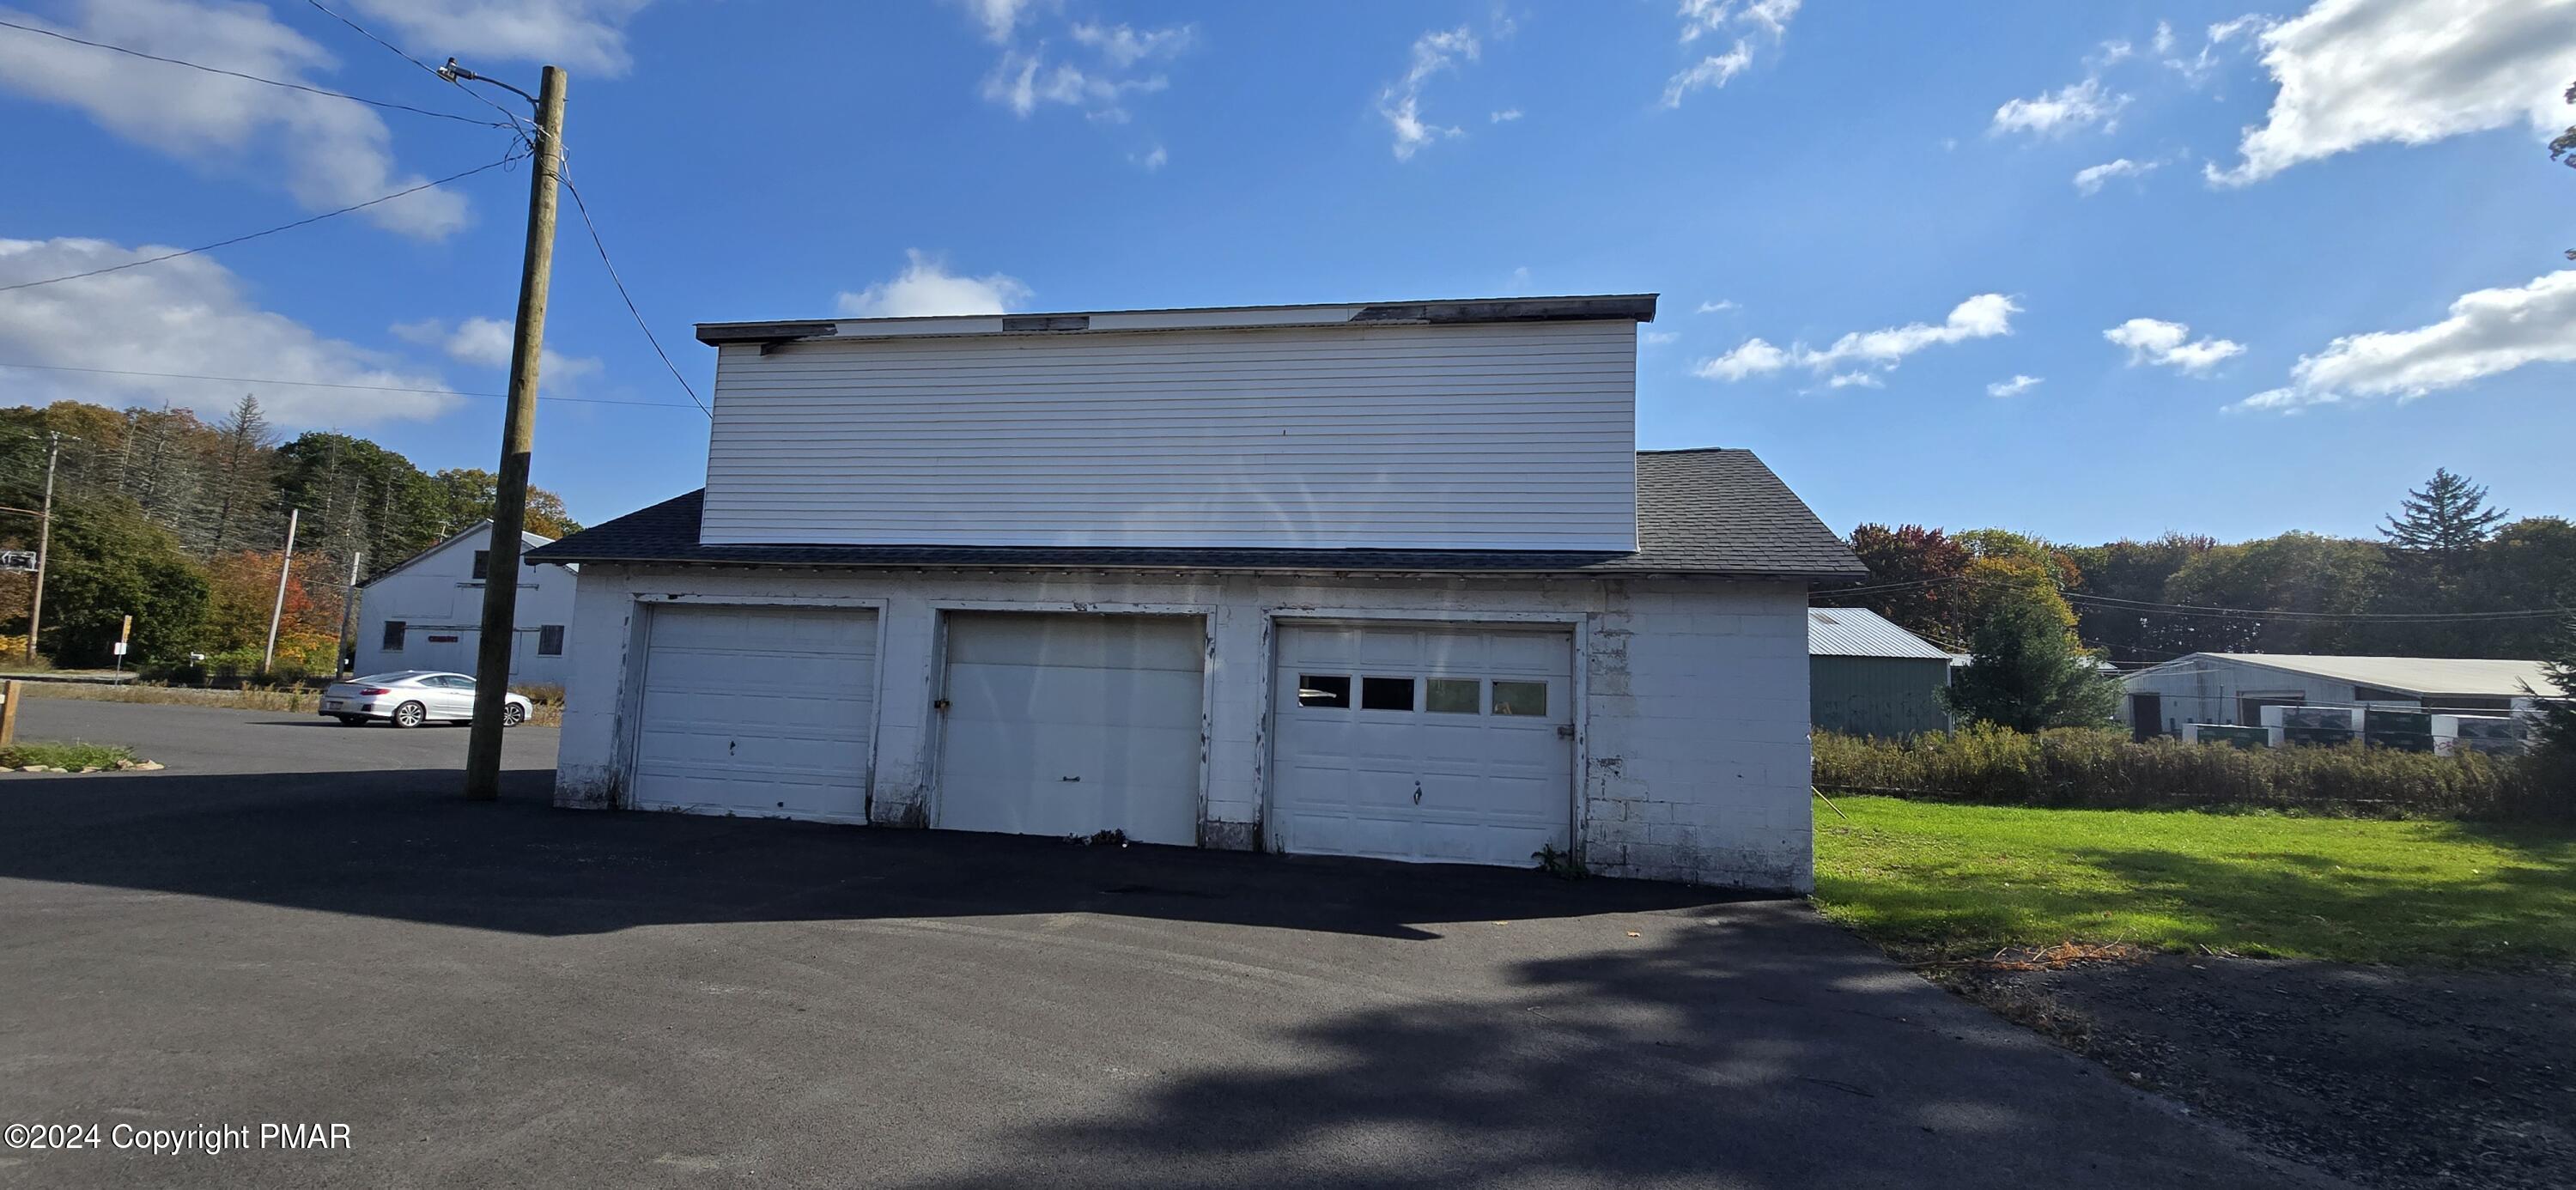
[[518, 441], [277, 610], [348, 604], [44, 538]]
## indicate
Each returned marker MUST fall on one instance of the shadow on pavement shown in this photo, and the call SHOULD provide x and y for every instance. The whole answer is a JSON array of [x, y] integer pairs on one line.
[[404, 844]]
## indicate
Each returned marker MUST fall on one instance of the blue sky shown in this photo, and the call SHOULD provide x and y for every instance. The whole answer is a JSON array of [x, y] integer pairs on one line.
[[2331, 261]]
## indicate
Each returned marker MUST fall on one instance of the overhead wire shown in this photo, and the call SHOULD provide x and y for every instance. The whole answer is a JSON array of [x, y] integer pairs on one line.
[[518, 123], [620, 282], [514, 155], [308, 89], [388, 388]]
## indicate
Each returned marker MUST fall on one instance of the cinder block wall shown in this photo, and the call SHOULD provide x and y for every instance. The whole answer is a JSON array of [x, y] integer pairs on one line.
[[1692, 756]]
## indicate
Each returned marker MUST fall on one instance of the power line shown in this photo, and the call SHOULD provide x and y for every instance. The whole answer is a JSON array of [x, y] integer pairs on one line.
[[649, 336], [269, 232], [381, 388], [312, 90], [517, 122]]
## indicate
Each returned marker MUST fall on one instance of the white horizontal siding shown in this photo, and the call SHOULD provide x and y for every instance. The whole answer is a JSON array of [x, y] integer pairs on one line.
[[1487, 436]]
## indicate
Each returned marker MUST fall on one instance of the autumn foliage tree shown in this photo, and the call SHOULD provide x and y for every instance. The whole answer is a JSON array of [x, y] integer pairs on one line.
[[1915, 579]]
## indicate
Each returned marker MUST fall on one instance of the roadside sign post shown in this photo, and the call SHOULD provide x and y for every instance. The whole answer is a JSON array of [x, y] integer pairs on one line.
[[8, 713], [123, 635]]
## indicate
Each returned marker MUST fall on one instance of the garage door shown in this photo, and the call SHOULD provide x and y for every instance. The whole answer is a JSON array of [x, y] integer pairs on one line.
[[762, 711], [1073, 724], [1423, 743]]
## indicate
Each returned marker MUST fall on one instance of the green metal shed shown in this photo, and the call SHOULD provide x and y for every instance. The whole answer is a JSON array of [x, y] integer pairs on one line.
[[1866, 676]]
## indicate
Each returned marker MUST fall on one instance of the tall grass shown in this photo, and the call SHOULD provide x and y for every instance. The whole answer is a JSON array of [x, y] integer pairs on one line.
[[2104, 769]]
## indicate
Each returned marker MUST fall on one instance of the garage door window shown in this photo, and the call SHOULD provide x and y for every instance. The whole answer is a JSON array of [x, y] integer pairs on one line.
[[1451, 696], [1323, 690], [1520, 698], [1386, 694]]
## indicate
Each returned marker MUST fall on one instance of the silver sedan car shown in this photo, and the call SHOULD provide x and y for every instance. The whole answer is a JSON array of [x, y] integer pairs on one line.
[[411, 697]]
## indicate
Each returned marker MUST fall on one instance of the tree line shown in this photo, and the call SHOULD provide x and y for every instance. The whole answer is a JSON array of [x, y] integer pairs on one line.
[[2448, 575], [181, 523]]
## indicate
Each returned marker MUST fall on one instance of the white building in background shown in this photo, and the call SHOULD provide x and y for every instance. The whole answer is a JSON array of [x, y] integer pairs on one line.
[[1377, 580], [2233, 688], [428, 613]]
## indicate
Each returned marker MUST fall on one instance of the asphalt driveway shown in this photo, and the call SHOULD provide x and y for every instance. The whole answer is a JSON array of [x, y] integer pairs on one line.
[[303, 924]]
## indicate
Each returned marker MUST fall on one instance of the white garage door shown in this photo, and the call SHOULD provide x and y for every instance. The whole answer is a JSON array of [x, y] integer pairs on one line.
[[1073, 724], [1440, 744], [763, 711]]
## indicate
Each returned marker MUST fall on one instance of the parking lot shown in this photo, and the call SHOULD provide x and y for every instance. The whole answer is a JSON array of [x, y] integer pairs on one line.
[[298, 922]]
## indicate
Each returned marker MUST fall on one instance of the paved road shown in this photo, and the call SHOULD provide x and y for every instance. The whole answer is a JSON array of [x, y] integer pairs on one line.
[[303, 924]]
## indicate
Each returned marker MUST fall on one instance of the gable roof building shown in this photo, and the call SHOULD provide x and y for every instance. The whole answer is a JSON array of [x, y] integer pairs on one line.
[[1377, 579]]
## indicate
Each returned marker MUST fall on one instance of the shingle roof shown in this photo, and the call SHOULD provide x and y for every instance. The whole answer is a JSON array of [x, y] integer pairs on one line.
[[1859, 632], [1716, 511]]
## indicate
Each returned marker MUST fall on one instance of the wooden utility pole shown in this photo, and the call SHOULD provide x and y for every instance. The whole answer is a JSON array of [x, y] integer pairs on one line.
[[518, 442], [348, 604], [277, 610], [44, 538]]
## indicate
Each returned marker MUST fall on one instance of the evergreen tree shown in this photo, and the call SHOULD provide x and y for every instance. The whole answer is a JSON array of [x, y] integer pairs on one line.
[[2026, 672], [2446, 520], [2556, 736], [244, 481]]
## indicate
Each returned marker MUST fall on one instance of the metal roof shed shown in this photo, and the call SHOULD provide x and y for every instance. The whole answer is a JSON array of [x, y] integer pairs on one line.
[[1866, 676]]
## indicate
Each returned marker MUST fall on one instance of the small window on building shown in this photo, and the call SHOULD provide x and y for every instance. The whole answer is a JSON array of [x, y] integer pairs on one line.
[[394, 635], [1386, 694], [1450, 696], [482, 563], [1323, 690], [550, 640], [1520, 698]]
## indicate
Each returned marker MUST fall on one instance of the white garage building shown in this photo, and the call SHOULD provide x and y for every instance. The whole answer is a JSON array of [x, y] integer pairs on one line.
[[427, 613], [1377, 580]]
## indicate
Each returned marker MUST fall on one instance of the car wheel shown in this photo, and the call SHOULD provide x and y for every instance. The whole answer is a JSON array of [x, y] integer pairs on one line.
[[512, 715], [352, 720], [410, 714]]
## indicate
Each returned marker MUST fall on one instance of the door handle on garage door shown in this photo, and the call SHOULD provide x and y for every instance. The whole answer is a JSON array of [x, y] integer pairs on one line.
[[1417, 793], [1068, 778]]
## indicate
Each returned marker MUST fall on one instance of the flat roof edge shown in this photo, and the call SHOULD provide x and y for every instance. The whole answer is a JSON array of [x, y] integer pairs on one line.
[[1632, 307]]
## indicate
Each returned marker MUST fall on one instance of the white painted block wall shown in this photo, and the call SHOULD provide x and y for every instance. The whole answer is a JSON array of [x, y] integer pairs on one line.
[[1692, 756]]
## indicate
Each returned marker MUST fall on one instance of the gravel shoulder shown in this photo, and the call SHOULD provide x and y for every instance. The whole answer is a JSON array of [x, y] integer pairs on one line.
[[2386, 1076]]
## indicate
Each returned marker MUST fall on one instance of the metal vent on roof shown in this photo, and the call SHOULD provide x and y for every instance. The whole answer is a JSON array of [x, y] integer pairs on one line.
[[1046, 322]]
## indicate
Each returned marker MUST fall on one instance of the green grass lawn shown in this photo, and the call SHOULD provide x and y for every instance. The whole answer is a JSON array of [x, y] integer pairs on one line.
[[1934, 881], [74, 755]]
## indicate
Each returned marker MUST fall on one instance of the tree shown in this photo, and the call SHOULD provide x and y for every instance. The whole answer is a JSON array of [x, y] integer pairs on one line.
[[467, 496], [245, 475], [107, 563], [1918, 574], [2134, 574], [2556, 734], [2294, 572], [2026, 671], [2445, 520]]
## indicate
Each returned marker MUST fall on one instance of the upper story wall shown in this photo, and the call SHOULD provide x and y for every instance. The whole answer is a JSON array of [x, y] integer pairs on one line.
[[1491, 435]]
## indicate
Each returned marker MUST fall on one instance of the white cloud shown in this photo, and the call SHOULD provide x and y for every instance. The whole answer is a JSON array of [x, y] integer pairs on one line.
[[1720, 306], [485, 343], [336, 153], [1027, 77], [1658, 338], [2089, 180], [1751, 21], [585, 35], [2170, 345], [998, 17], [2216, 39], [191, 316], [1122, 47], [2490, 331], [1401, 102], [2362, 72], [1754, 358], [1151, 160], [2164, 41], [2075, 105], [927, 289], [1519, 281], [2112, 52], [1859, 357], [1505, 116], [2014, 387]]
